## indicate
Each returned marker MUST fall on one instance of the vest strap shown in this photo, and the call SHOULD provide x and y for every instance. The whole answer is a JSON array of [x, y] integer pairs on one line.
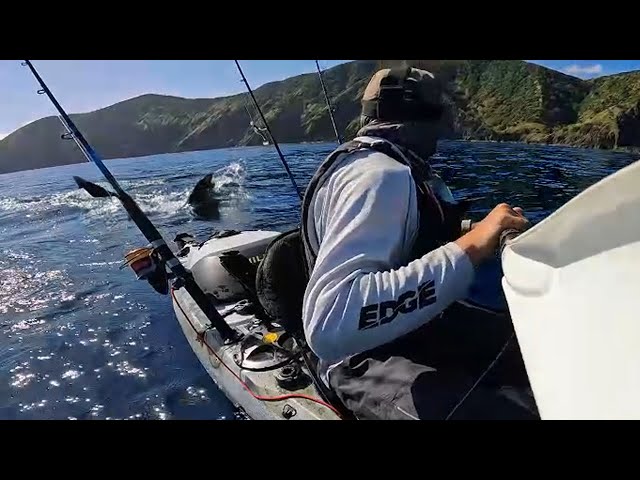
[[379, 145]]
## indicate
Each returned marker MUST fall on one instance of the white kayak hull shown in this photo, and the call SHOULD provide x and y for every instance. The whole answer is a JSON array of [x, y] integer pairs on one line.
[[572, 283]]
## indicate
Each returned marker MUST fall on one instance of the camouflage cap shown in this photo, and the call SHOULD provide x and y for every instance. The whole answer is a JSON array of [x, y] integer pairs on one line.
[[403, 94]]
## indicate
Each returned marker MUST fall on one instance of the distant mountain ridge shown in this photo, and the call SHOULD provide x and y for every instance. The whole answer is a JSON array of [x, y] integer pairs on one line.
[[487, 99]]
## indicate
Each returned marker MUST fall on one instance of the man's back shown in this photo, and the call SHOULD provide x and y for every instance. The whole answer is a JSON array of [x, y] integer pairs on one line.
[[363, 292]]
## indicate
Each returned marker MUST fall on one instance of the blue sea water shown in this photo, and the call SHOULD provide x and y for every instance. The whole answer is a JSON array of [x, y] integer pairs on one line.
[[80, 338]]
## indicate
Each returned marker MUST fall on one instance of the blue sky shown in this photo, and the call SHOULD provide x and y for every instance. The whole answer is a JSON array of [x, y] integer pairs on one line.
[[590, 68], [85, 85]]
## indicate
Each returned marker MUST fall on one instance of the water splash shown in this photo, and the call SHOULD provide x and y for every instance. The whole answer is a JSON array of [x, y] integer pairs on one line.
[[155, 196], [230, 181]]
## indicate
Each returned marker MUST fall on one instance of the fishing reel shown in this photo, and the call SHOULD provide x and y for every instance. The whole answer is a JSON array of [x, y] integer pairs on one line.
[[506, 237], [147, 265], [184, 242]]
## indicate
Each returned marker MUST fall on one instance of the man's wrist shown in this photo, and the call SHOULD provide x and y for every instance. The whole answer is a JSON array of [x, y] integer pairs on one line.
[[466, 226]]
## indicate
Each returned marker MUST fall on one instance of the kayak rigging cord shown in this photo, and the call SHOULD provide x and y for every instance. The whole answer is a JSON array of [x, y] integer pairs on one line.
[[329, 106], [153, 236], [202, 338], [266, 126]]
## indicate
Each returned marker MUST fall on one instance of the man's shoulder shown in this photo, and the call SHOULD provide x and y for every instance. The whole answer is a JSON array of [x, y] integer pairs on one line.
[[361, 170], [369, 160]]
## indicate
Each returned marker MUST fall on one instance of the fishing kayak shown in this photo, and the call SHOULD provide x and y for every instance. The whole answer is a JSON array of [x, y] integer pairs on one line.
[[262, 374], [570, 284]]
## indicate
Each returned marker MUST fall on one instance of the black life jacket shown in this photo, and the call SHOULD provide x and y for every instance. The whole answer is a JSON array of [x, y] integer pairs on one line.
[[284, 272]]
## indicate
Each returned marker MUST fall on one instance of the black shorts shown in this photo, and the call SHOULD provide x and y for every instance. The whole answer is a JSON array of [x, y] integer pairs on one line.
[[427, 373]]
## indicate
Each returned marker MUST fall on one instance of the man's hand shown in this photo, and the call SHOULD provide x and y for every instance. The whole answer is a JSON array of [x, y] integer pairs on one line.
[[482, 241]]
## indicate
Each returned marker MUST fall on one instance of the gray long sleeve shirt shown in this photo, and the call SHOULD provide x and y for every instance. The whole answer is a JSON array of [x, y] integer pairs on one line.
[[363, 292]]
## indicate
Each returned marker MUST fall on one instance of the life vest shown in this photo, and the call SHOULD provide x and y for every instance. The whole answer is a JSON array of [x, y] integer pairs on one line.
[[284, 272]]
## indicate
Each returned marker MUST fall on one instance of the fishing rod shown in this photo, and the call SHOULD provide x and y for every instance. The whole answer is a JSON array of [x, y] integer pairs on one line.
[[329, 106], [266, 126], [139, 218]]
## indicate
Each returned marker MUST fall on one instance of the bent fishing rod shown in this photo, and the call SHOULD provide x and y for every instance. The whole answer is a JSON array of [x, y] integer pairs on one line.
[[139, 218], [266, 126], [329, 106]]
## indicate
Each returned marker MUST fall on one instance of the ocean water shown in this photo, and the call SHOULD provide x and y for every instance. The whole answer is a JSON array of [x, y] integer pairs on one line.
[[81, 338]]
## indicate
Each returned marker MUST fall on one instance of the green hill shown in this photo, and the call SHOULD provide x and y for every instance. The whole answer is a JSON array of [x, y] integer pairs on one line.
[[488, 100]]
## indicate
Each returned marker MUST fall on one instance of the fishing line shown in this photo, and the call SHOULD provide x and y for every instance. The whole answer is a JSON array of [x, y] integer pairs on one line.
[[484, 374]]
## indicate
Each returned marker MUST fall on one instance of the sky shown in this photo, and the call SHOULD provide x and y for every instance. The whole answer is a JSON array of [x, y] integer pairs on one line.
[[590, 68], [86, 85]]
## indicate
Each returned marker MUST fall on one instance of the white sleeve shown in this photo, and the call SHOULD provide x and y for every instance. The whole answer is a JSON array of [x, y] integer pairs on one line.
[[359, 294]]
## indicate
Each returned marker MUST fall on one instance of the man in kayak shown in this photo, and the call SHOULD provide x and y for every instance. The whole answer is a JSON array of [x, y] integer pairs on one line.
[[388, 256]]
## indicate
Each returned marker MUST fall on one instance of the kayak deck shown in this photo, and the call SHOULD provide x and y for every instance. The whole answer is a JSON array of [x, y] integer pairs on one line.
[[256, 392]]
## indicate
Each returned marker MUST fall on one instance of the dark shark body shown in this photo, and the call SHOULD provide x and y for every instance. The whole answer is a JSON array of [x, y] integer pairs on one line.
[[94, 190], [203, 201]]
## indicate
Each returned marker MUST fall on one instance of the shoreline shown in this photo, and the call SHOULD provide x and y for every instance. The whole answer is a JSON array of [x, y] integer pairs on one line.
[[624, 149]]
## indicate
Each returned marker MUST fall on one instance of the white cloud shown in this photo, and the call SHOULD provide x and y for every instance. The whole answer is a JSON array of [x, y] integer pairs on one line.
[[584, 71], [2, 135]]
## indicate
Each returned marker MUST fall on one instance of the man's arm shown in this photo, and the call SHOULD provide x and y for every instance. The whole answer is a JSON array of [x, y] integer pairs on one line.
[[359, 294]]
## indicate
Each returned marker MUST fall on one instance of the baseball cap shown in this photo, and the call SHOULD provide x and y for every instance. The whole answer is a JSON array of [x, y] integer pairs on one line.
[[403, 94]]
